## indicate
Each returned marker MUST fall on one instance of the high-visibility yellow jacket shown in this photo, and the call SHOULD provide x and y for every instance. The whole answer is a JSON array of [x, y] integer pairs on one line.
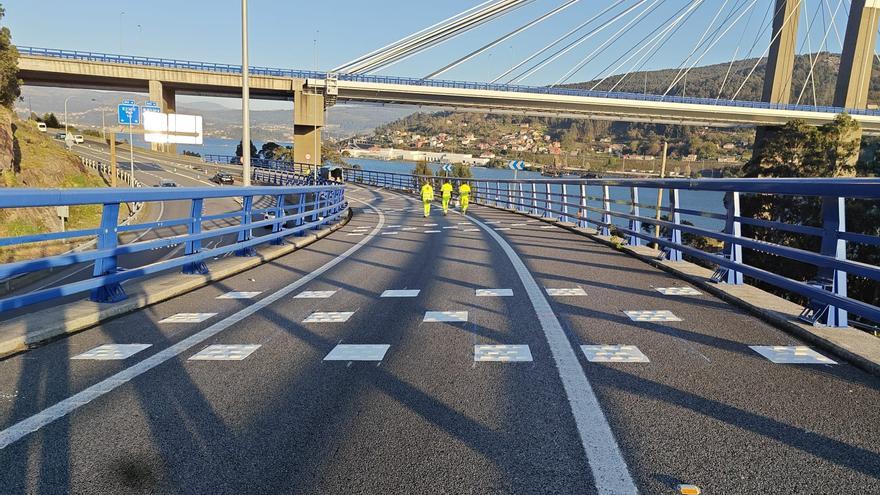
[[427, 193], [446, 190], [464, 189]]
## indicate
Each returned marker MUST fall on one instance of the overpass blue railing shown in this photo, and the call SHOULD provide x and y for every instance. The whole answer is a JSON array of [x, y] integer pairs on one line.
[[292, 210], [619, 207], [438, 83]]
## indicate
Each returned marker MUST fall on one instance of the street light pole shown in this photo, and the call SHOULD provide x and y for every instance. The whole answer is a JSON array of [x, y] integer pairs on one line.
[[317, 150], [245, 103], [120, 31], [65, 116]]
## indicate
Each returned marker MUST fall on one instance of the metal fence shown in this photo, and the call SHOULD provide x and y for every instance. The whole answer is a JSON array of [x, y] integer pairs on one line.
[[293, 210], [621, 207], [436, 83]]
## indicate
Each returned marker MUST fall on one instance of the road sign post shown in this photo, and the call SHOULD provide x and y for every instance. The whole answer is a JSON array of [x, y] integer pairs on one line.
[[129, 113]]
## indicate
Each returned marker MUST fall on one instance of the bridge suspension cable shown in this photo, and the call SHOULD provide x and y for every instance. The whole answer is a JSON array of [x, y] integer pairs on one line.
[[610, 41], [427, 38], [669, 25], [557, 41], [502, 39], [574, 44], [813, 62]]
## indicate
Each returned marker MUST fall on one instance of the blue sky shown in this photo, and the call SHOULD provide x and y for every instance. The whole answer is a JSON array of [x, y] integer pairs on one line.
[[280, 36]]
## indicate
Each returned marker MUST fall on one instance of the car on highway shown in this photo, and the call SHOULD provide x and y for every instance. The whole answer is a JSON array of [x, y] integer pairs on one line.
[[221, 178], [41, 126], [78, 139], [166, 183], [60, 136]]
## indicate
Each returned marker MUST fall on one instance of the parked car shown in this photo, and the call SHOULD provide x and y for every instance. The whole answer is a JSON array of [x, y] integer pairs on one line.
[[78, 139], [221, 178], [41, 126]]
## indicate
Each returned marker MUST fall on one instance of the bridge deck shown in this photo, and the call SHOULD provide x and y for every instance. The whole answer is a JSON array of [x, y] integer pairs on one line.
[[706, 409]]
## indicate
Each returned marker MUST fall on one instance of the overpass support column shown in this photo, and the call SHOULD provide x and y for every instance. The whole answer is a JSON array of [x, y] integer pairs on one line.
[[856, 61], [780, 61], [308, 119], [167, 99]]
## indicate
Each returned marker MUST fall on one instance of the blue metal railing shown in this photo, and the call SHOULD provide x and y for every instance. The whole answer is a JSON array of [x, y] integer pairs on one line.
[[571, 200], [292, 210], [436, 83]]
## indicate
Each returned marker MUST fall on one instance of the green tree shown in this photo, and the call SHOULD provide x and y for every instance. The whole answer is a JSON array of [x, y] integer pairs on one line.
[[268, 150], [9, 82], [51, 121], [462, 171], [238, 151], [422, 168]]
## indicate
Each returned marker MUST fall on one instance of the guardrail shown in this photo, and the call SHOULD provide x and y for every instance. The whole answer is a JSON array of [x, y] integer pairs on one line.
[[617, 207], [294, 210], [436, 83]]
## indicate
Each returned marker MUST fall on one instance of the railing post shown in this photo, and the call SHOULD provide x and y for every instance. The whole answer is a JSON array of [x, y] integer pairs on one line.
[[732, 226], [194, 246], [107, 239], [582, 220], [564, 217], [548, 201], [279, 225], [534, 210], [635, 224], [509, 203], [497, 189], [300, 212], [245, 234], [833, 223], [605, 228], [675, 216]]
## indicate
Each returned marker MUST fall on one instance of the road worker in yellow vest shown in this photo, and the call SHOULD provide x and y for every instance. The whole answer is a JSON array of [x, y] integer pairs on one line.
[[427, 197], [446, 196], [464, 196]]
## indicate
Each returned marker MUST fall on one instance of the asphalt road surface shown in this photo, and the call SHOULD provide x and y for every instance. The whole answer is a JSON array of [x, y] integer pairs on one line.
[[419, 410]]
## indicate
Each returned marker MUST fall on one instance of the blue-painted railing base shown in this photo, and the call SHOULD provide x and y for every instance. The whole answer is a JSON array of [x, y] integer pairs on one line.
[[247, 252], [110, 293], [196, 268]]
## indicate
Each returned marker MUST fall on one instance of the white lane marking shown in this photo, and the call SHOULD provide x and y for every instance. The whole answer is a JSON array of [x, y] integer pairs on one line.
[[503, 228], [448, 228], [566, 292], [652, 315], [548, 227], [239, 295], [502, 353], [494, 292], [603, 454], [433, 231], [315, 294], [471, 230], [614, 354], [442, 316], [401, 293], [430, 225], [391, 233], [59, 410], [108, 352], [221, 352], [356, 233], [393, 226], [797, 354], [329, 317], [357, 352], [409, 228], [679, 291], [188, 318]]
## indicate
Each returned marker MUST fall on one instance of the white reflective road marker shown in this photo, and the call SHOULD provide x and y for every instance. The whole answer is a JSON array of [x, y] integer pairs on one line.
[[798, 354], [188, 318], [109, 352], [401, 293], [614, 354], [443, 316], [494, 292], [239, 295], [63, 408], [652, 315], [357, 352], [315, 294], [679, 291], [606, 462], [329, 317], [220, 352], [566, 292], [502, 353]]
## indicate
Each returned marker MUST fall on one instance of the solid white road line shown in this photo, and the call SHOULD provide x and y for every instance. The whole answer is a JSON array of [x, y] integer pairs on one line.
[[603, 454], [46, 416]]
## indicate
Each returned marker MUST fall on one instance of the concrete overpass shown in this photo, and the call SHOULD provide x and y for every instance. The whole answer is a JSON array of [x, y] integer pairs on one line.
[[311, 92]]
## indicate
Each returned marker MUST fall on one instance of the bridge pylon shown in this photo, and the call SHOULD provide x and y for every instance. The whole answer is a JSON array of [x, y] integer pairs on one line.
[[166, 97], [308, 120]]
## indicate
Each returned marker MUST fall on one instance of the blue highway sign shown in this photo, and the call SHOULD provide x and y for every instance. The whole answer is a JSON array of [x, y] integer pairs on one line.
[[129, 114]]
